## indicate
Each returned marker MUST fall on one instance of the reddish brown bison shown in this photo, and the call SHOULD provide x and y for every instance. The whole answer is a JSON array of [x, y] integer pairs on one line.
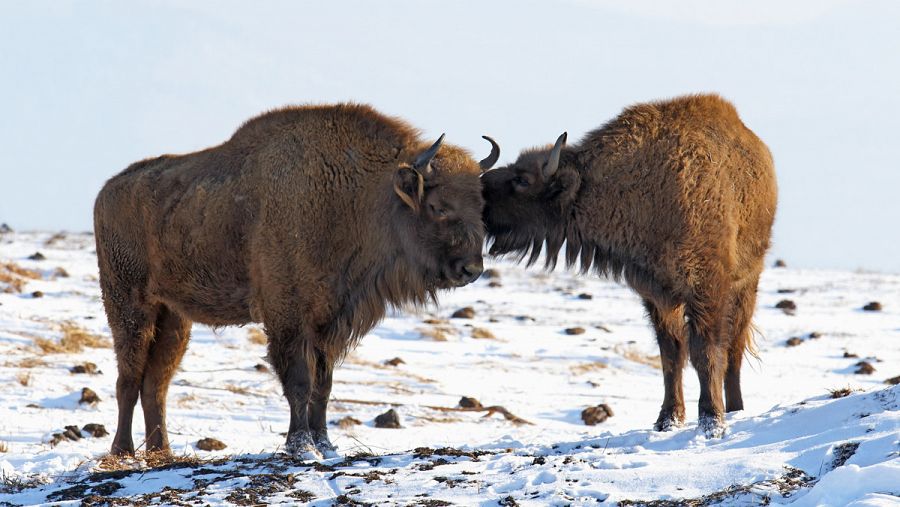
[[677, 197], [309, 220]]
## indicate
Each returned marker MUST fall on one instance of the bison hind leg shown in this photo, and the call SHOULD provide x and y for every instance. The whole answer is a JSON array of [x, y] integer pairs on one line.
[[670, 335], [165, 353], [741, 340]]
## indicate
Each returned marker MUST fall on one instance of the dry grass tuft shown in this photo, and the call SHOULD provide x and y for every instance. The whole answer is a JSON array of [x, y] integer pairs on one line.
[[4, 447], [30, 362], [842, 392], [480, 333], [24, 378], [143, 460], [74, 339], [580, 369], [257, 336], [236, 389], [14, 277], [632, 354], [436, 333]]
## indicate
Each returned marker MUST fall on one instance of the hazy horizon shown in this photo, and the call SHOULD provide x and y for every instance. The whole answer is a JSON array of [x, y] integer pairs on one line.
[[90, 88]]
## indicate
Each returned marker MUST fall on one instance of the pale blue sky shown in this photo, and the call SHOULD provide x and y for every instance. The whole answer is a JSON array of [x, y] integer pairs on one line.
[[89, 87]]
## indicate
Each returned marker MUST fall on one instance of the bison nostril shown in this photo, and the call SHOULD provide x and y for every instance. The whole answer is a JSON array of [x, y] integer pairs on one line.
[[473, 270]]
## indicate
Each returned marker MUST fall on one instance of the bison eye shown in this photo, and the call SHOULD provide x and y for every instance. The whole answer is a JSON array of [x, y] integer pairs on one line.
[[520, 182], [438, 212]]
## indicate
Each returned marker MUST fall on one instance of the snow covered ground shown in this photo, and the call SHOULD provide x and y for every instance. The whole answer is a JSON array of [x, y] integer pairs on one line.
[[794, 443]]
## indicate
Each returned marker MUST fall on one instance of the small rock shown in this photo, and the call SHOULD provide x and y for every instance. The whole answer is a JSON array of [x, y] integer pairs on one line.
[[464, 313], [261, 368], [394, 362], [389, 419], [88, 396], [86, 368], [893, 381], [37, 294], [786, 291], [36, 256], [95, 430], [585, 295], [491, 273], [347, 422], [815, 335], [60, 273], [864, 368], [850, 354], [574, 330], [469, 402], [210, 444], [874, 306], [793, 342], [495, 284], [596, 415], [779, 263], [787, 306]]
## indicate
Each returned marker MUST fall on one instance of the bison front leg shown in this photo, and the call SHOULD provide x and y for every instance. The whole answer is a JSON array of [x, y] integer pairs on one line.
[[290, 354], [318, 406]]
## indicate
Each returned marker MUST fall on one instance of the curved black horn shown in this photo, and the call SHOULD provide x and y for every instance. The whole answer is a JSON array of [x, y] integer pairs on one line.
[[492, 158], [423, 161], [553, 160]]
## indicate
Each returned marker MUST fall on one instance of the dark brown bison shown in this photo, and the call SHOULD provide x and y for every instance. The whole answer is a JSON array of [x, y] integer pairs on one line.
[[677, 197], [310, 220]]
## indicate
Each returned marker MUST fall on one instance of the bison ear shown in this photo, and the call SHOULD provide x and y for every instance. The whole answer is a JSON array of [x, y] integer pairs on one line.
[[409, 185], [566, 186]]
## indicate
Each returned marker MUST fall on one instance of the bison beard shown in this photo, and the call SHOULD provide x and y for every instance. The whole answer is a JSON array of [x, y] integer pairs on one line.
[[311, 220], [678, 199]]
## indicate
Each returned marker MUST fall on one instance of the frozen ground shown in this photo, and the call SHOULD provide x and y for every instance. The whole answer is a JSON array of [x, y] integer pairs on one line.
[[793, 444]]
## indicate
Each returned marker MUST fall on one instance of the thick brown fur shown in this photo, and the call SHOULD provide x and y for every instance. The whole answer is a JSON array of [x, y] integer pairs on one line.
[[677, 198], [311, 220]]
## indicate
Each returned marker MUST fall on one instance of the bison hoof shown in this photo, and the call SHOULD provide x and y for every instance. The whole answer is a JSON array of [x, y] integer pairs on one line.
[[301, 446], [711, 426], [325, 447], [669, 420]]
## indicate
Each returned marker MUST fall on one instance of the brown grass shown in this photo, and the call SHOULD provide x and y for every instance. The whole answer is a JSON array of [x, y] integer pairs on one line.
[[580, 369], [28, 362], [4, 447], [14, 277], [74, 339], [236, 389], [144, 460], [842, 392], [257, 336], [632, 354], [480, 333], [24, 378], [436, 333]]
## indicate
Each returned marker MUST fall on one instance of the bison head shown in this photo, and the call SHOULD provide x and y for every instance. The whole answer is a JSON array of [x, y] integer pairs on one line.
[[441, 194], [527, 202]]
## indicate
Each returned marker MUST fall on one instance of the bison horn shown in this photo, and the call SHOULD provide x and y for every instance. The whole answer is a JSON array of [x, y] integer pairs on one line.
[[492, 158], [423, 161], [553, 161]]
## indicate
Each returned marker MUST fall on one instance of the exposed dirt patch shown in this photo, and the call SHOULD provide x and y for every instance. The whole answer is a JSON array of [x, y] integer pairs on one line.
[[873, 306], [88, 397], [596, 415], [394, 362], [210, 444], [389, 419], [793, 341], [464, 313], [787, 306], [864, 368], [574, 330], [85, 369], [893, 381]]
